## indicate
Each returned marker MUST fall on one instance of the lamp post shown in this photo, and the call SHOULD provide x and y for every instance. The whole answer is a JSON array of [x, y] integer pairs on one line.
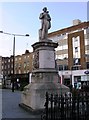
[[26, 35]]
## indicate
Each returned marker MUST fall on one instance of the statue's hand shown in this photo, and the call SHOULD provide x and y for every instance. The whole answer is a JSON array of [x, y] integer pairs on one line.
[[41, 16]]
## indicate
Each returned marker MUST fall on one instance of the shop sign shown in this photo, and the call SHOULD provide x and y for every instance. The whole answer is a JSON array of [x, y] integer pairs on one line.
[[86, 72]]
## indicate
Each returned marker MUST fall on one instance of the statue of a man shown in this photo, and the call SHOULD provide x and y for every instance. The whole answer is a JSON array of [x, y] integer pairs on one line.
[[45, 24]]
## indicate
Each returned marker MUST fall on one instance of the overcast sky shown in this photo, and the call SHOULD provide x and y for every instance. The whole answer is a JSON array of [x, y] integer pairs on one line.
[[23, 18]]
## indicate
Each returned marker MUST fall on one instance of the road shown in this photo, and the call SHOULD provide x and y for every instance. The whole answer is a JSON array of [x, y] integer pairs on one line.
[[10, 106]]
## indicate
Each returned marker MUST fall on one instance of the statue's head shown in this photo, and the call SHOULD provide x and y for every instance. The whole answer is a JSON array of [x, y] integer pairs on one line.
[[45, 9]]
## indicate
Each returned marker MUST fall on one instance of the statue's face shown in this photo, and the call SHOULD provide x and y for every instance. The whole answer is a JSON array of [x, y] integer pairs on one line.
[[44, 9]]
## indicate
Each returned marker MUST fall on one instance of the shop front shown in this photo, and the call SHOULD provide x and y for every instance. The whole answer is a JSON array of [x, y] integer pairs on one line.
[[80, 78], [75, 78]]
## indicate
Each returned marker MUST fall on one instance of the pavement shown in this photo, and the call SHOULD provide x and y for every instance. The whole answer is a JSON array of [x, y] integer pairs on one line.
[[10, 109]]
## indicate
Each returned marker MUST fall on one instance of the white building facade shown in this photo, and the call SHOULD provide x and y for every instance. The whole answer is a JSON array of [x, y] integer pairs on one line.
[[72, 54]]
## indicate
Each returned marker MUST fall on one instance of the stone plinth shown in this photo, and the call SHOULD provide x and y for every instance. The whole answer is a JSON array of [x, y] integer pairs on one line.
[[45, 77], [44, 55]]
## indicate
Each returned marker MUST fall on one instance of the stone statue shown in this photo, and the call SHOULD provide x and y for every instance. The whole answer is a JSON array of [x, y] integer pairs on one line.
[[45, 24]]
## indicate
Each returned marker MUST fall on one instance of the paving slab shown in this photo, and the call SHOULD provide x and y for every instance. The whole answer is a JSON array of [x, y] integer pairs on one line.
[[10, 109]]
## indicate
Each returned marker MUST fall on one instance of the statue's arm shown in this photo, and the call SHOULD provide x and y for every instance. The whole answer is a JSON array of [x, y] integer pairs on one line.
[[49, 18], [41, 16]]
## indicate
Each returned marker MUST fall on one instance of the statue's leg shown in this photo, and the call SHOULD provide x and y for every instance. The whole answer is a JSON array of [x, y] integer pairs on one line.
[[46, 30], [43, 33], [40, 34], [46, 34]]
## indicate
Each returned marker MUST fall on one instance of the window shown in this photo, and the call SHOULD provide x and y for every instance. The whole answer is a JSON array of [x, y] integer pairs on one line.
[[75, 68], [19, 58], [19, 71], [8, 72], [16, 65], [2, 66], [12, 66], [28, 63], [12, 60], [87, 65], [15, 59], [19, 65], [9, 60], [27, 71], [12, 71], [65, 67], [5, 66], [33, 56], [76, 49], [5, 72], [24, 57], [75, 40], [24, 64], [77, 61], [8, 66], [60, 67]]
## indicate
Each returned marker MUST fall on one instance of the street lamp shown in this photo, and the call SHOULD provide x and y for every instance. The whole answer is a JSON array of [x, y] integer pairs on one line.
[[26, 35]]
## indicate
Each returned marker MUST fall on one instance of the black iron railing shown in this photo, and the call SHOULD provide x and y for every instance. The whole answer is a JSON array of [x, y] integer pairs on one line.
[[66, 107]]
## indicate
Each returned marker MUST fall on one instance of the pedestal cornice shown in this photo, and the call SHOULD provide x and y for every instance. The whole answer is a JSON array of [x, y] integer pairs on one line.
[[46, 43]]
